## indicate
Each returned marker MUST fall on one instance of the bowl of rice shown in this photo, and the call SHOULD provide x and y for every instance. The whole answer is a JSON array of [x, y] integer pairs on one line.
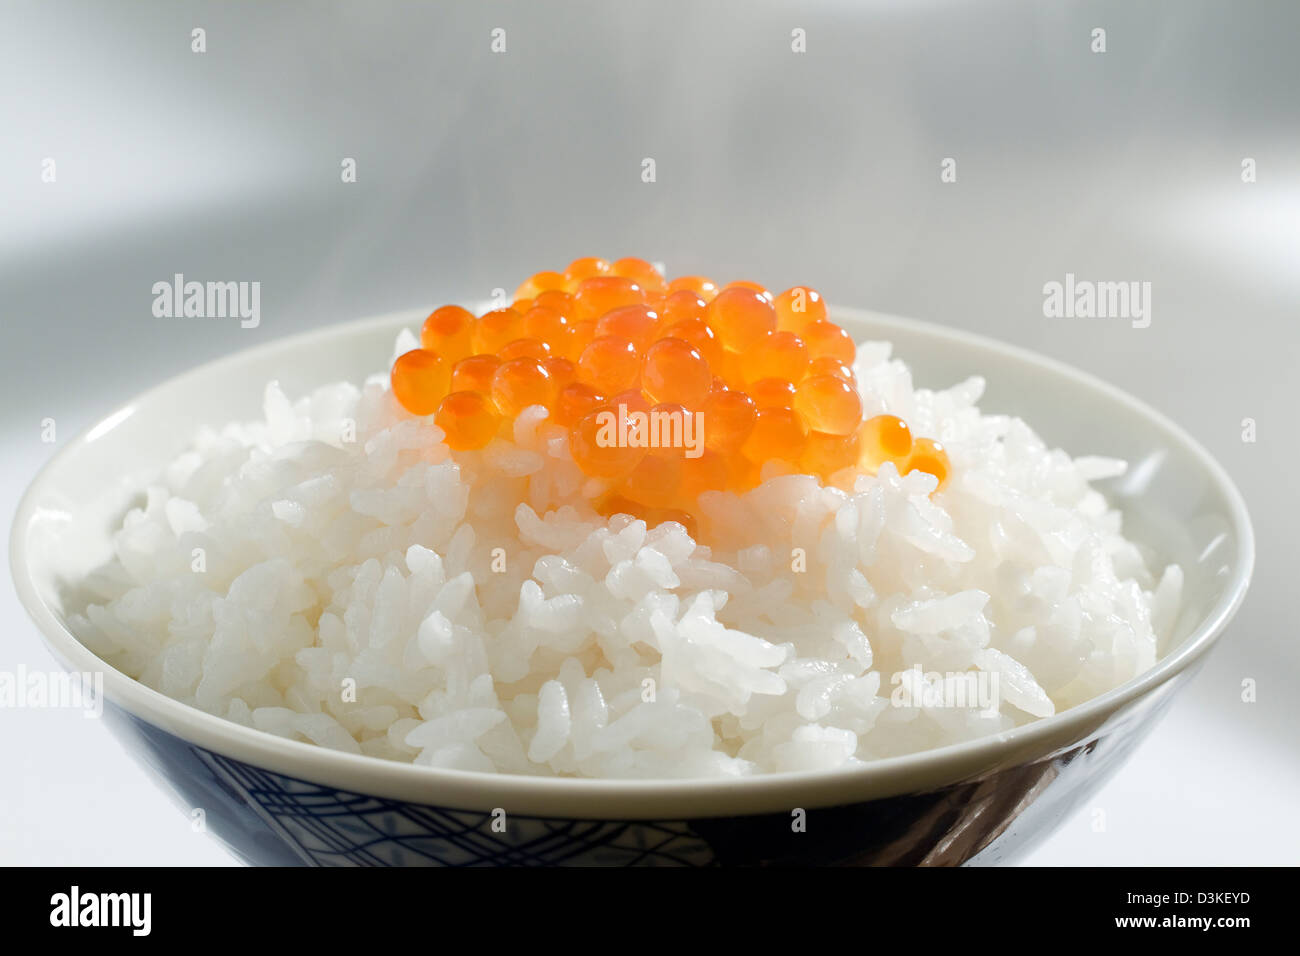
[[349, 643]]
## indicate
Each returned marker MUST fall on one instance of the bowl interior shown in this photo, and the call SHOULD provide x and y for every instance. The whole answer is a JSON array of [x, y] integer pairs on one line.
[[1176, 500]]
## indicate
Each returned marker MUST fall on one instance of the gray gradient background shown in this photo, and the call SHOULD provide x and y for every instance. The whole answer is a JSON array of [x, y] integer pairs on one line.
[[475, 169]]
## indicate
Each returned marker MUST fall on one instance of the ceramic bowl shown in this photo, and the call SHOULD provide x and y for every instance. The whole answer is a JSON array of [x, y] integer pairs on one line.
[[277, 801]]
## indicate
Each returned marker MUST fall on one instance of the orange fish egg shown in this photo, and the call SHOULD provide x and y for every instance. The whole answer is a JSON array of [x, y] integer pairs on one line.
[[449, 331], [830, 365], [419, 380], [538, 283], [825, 454], [797, 308], [581, 334], [519, 383], [634, 429], [524, 348], [706, 289], [732, 367], [751, 286], [629, 400], [727, 419], [574, 401], [654, 480], [829, 404], [931, 457], [674, 371], [469, 420], [616, 504], [654, 302], [636, 323], [680, 306], [642, 273], [741, 317], [826, 339], [561, 370], [495, 329], [883, 438], [609, 365], [561, 302], [600, 294], [777, 355], [712, 471], [598, 448], [546, 324], [672, 429], [602, 342], [474, 374], [777, 433], [772, 393], [585, 268], [698, 333]]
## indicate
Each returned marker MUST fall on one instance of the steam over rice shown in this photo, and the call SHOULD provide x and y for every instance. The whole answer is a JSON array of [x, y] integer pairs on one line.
[[335, 574]]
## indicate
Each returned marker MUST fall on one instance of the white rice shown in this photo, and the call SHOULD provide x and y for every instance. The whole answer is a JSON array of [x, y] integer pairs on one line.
[[384, 596]]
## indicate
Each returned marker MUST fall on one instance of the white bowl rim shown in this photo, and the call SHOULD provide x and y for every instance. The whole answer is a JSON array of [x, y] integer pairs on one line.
[[583, 798]]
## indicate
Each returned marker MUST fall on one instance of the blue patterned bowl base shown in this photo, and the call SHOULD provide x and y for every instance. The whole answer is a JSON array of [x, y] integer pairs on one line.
[[268, 818]]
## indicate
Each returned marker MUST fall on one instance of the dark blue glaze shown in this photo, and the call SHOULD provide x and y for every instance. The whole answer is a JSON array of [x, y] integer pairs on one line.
[[266, 818]]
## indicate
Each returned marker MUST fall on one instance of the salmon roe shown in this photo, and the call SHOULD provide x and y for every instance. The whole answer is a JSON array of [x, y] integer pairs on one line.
[[827, 340], [675, 371], [495, 329], [741, 316], [575, 401], [420, 379], [538, 283], [885, 438], [825, 454], [778, 433], [797, 308], [703, 288], [449, 331], [829, 404], [929, 456], [730, 416], [522, 382], [473, 374], [698, 333], [681, 306], [525, 348], [468, 418], [829, 365], [751, 286], [554, 299], [636, 323], [547, 324], [666, 389], [642, 273], [600, 294], [609, 364], [561, 370], [780, 355], [773, 393], [586, 268]]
